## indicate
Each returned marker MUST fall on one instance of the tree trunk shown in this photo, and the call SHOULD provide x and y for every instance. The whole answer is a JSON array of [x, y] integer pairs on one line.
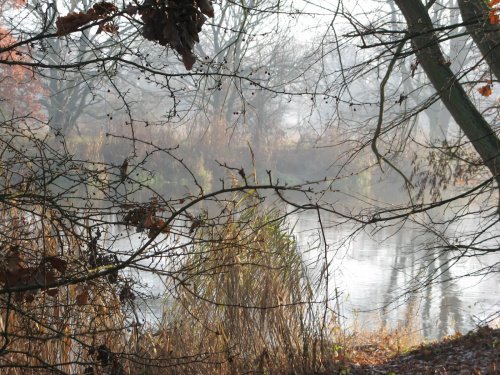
[[486, 36], [454, 97]]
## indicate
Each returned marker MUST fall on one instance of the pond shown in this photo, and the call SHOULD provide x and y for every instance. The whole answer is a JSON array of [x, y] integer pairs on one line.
[[371, 274]]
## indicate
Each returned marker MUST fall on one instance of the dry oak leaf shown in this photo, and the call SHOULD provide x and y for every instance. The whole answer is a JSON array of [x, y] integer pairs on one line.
[[83, 298], [56, 263], [11, 267], [107, 27], [73, 21], [485, 90]]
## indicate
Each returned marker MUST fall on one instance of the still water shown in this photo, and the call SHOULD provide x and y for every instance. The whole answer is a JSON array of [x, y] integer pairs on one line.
[[370, 274], [373, 271]]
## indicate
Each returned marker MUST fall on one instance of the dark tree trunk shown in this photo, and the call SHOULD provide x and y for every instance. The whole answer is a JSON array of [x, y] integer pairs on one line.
[[486, 36], [454, 97]]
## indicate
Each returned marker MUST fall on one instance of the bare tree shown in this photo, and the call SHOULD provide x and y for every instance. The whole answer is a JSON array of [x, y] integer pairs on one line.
[[74, 287]]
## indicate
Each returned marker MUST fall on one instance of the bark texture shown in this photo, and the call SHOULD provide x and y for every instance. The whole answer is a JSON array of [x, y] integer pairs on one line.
[[454, 97], [485, 35]]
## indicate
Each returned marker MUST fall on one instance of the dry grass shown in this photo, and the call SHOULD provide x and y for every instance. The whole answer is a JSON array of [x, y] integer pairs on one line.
[[243, 303], [54, 330]]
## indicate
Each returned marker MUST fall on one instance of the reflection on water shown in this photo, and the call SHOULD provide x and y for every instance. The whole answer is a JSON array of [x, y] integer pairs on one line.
[[376, 273], [149, 287]]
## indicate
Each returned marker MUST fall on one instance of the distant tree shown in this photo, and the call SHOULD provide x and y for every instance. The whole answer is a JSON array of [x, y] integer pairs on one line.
[[20, 87]]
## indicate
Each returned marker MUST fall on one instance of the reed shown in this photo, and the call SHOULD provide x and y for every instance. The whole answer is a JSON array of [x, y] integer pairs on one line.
[[243, 303]]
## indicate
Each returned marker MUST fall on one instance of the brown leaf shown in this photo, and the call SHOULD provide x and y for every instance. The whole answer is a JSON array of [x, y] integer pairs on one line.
[[170, 33], [157, 228], [102, 354], [40, 276], [123, 170], [108, 27], [200, 20], [206, 7], [104, 8], [126, 294], [52, 292], [485, 90], [73, 21], [11, 267], [131, 10], [195, 225], [57, 263], [414, 67], [30, 296], [83, 298]]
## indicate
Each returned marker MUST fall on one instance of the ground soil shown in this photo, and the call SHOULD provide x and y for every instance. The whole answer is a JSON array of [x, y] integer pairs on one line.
[[476, 353]]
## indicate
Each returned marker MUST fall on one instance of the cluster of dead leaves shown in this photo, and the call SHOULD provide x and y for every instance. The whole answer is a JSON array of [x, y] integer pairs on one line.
[[145, 218], [73, 21], [174, 23], [15, 273], [474, 353]]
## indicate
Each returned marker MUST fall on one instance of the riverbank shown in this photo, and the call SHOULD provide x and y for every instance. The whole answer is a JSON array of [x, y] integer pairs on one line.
[[477, 353]]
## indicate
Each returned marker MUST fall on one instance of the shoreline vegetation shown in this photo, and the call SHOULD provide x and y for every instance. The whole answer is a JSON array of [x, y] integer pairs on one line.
[[211, 153], [243, 303]]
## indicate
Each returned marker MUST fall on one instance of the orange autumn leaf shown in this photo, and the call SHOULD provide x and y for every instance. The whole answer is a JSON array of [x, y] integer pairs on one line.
[[20, 89], [494, 17], [485, 90], [494, 2]]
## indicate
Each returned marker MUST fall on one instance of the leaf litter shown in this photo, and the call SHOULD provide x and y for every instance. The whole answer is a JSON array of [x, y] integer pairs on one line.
[[475, 353]]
